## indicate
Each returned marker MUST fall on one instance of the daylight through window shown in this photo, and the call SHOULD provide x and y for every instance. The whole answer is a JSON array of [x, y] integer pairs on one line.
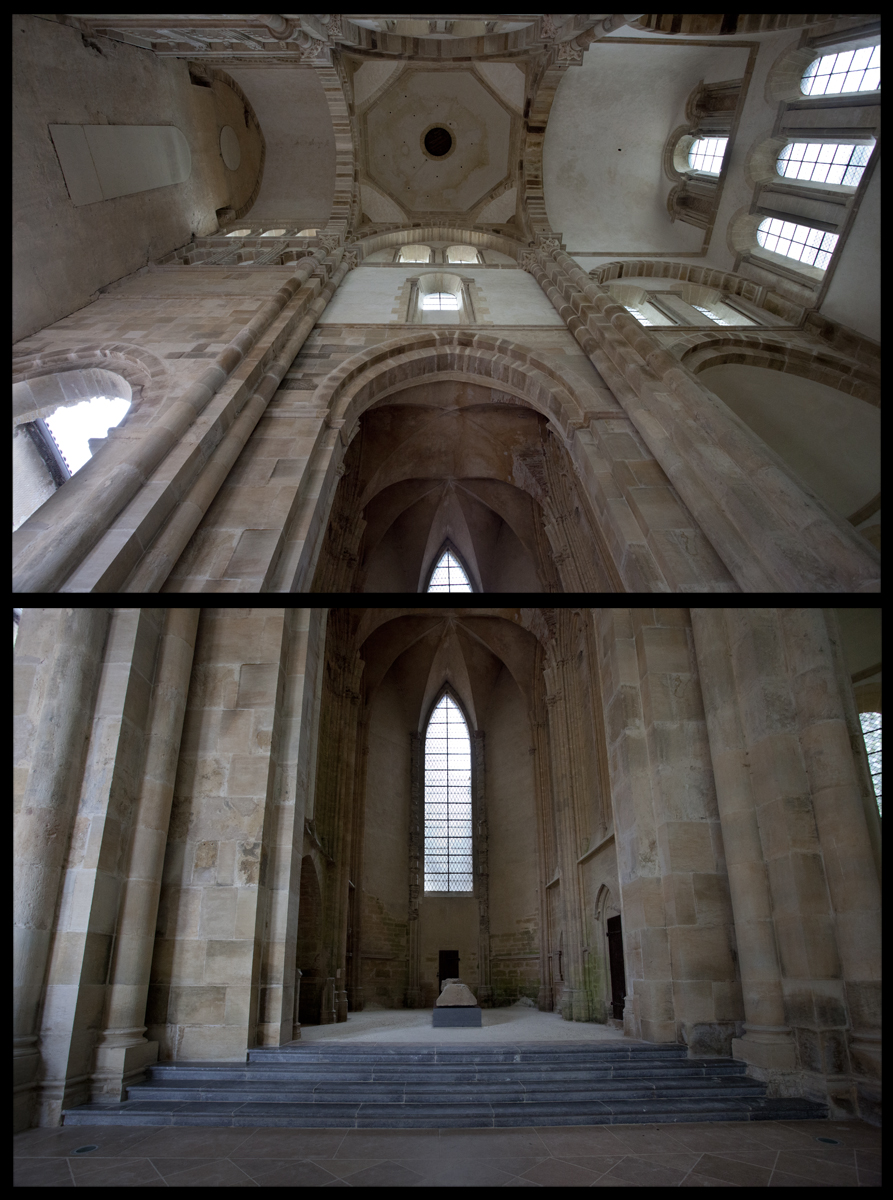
[[73, 427], [852, 71], [447, 801], [706, 155], [823, 162], [802, 242], [448, 576], [440, 301], [871, 732]]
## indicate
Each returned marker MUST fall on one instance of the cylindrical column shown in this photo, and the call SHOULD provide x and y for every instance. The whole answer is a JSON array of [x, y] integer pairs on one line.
[[43, 826], [49, 559], [122, 1051], [768, 1041], [575, 1005], [171, 541], [849, 863]]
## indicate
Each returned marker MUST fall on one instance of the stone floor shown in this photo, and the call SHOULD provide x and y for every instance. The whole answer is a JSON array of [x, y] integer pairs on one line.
[[514, 1024], [726, 1154]]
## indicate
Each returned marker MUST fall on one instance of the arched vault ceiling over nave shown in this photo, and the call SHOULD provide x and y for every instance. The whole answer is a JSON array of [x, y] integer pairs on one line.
[[608, 125], [465, 647]]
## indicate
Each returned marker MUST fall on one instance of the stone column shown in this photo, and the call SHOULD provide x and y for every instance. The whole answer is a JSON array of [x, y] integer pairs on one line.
[[416, 864], [845, 1006], [565, 783], [768, 1040], [293, 744], [43, 825], [482, 873], [770, 534], [121, 1049]]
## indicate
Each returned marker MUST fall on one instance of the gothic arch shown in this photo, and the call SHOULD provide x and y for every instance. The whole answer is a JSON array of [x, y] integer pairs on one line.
[[516, 376]]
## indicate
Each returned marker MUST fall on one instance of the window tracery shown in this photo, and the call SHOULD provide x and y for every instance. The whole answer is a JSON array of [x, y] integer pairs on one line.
[[847, 71], [871, 733], [823, 162], [449, 575], [440, 301], [706, 154], [448, 853], [805, 244]]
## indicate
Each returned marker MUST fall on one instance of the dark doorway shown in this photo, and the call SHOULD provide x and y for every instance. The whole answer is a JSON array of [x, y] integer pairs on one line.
[[618, 976], [448, 967]]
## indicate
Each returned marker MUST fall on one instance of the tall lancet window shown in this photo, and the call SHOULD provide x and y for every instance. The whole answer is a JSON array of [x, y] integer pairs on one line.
[[447, 801]]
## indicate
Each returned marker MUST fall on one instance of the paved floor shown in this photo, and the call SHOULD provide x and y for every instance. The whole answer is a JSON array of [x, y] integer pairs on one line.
[[723, 1154], [514, 1024]]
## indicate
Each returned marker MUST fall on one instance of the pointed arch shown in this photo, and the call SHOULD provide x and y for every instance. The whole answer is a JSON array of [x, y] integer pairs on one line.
[[447, 799], [449, 573]]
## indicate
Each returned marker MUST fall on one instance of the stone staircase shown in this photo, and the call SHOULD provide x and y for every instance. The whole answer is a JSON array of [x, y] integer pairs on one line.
[[424, 1086]]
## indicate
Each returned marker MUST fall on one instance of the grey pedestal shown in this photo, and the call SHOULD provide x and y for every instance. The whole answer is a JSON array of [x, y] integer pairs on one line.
[[461, 1016]]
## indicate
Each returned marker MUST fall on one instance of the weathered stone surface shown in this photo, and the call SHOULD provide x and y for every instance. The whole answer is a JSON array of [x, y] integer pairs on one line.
[[455, 993]]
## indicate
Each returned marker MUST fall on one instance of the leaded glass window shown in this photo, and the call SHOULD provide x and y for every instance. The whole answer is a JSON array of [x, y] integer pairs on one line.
[[823, 162], [448, 575], [447, 800], [851, 71], [871, 732], [440, 301], [811, 246], [706, 155]]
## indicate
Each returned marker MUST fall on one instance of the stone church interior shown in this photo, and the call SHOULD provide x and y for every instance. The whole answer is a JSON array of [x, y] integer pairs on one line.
[[546, 303], [253, 845]]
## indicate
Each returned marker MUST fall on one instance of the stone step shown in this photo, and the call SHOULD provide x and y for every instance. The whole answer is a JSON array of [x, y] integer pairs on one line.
[[425, 1087], [438, 1076], [419, 1116], [455, 1095]]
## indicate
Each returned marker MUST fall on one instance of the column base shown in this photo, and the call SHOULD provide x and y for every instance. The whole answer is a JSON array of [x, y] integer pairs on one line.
[[772, 1049], [117, 1066]]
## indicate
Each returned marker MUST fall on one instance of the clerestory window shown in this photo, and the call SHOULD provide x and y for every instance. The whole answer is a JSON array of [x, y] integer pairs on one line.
[[415, 254], [72, 428], [849, 71], [706, 155], [440, 302], [811, 246], [638, 314], [448, 575], [823, 162], [871, 732], [448, 854]]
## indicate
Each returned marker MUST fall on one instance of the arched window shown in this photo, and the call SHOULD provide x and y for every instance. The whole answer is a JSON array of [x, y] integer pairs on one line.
[[239, 233], [462, 254], [308, 232], [849, 71], [638, 314], [823, 162], [414, 254], [440, 302], [73, 428], [272, 233], [448, 575], [811, 246], [871, 732], [447, 800], [706, 155]]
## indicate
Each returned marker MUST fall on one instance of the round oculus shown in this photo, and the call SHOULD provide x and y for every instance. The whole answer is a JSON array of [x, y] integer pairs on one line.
[[438, 141]]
